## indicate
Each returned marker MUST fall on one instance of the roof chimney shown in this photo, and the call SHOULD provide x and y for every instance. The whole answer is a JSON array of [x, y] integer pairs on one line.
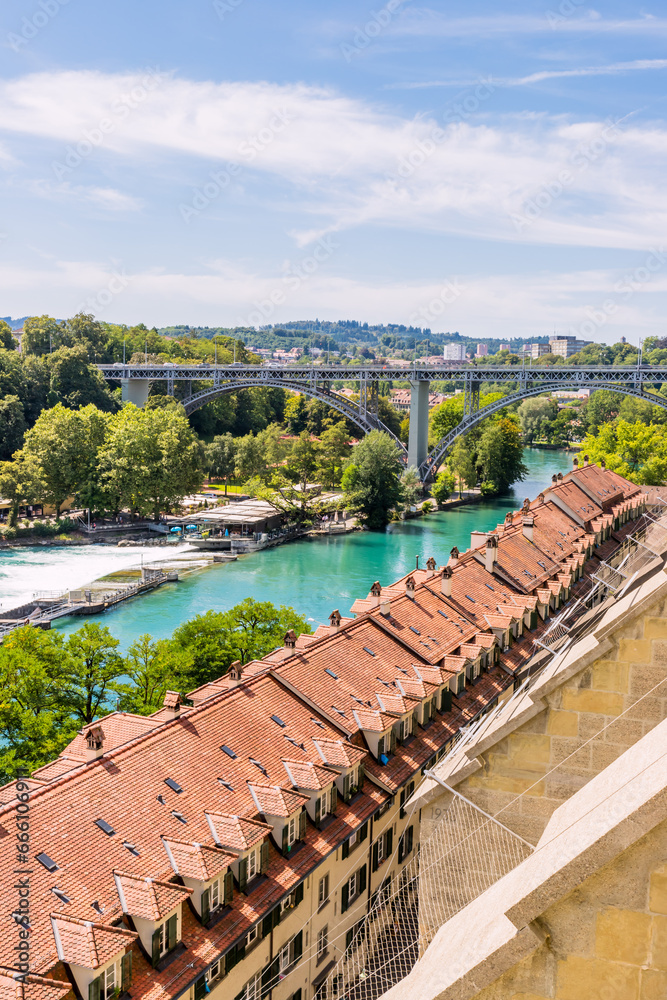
[[446, 582], [410, 587], [491, 552], [171, 705], [94, 743], [454, 557], [540, 498], [334, 620], [376, 591], [554, 478], [385, 607], [560, 477], [585, 460], [526, 505], [430, 566], [603, 463], [575, 462], [290, 639], [527, 524]]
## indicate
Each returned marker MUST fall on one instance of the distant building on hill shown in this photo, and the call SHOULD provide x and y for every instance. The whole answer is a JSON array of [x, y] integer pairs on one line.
[[482, 351], [454, 352]]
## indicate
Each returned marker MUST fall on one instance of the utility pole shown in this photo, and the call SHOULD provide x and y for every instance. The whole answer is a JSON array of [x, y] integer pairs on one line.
[[124, 340]]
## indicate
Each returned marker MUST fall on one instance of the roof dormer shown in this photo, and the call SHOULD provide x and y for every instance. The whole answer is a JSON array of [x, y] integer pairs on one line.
[[207, 871], [97, 955], [155, 908]]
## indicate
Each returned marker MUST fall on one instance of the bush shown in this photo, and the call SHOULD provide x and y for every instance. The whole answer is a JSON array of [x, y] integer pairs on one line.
[[442, 487], [427, 507], [488, 488], [9, 534]]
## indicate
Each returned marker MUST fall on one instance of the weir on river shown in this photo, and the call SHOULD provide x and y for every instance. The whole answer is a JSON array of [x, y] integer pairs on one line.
[[313, 575]]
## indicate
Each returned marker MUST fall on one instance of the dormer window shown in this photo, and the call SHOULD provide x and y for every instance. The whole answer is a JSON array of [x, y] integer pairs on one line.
[[253, 863], [165, 938], [114, 980], [325, 804]]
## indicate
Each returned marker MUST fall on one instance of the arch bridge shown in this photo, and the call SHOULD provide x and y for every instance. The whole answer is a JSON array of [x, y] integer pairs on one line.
[[208, 382]]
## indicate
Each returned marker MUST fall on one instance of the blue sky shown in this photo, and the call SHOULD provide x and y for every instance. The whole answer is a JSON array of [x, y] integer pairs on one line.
[[497, 171]]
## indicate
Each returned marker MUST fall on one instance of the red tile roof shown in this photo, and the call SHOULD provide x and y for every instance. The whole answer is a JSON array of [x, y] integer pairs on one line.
[[305, 774], [235, 832], [197, 860], [337, 753], [17, 986], [146, 897], [88, 944], [272, 800]]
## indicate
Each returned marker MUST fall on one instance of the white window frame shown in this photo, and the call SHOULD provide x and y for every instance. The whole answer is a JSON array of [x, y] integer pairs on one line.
[[291, 832], [213, 971], [253, 867], [354, 777], [252, 935], [216, 895], [285, 904], [253, 988], [352, 839], [284, 957], [352, 886], [110, 981], [381, 846], [322, 941], [323, 890], [324, 806], [164, 939]]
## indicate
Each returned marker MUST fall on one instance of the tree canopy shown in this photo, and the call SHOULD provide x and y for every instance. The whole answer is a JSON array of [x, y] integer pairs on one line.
[[372, 480]]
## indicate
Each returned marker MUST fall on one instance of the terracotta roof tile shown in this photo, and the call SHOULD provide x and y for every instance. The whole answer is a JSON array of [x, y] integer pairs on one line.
[[88, 944], [197, 860], [235, 832], [149, 898], [339, 753], [272, 800], [30, 987], [305, 774]]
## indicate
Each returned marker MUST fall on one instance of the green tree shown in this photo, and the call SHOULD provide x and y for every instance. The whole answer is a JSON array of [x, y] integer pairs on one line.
[[334, 451], [412, 485], [636, 451], [7, 339], [154, 667], [250, 460], [372, 480], [500, 453], [535, 416], [443, 486], [17, 485], [61, 451], [84, 330], [150, 459], [602, 407], [88, 674], [295, 414], [221, 457], [303, 460], [462, 461], [76, 382], [248, 631], [12, 426], [41, 334]]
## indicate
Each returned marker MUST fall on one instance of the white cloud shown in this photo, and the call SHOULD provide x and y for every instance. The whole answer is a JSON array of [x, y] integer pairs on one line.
[[614, 69], [106, 198], [345, 162], [226, 294], [425, 21]]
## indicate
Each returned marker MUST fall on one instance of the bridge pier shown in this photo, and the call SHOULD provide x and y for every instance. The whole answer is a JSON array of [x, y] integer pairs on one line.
[[418, 438], [135, 390]]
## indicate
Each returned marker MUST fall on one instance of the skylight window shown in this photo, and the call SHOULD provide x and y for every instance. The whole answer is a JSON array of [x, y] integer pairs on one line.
[[339, 710], [47, 862], [179, 816], [295, 743], [258, 764], [370, 651], [278, 721], [105, 827], [540, 563], [96, 906], [331, 673], [161, 799], [174, 785], [489, 586], [443, 614], [131, 848], [318, 723], [415, 630], [386, 683], [470, 598], [433, 639], [60, 895], [230, 753], [225, 784]]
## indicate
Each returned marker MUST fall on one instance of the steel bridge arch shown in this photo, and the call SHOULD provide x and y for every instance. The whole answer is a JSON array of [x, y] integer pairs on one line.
[[429, 466], [366, 422]]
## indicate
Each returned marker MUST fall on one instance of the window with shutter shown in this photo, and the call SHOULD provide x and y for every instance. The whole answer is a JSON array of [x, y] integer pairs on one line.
[[302, 825], [392, 737], [345, 853], [172, 931], [297, 950], [265, 857], [269, 976], [298, 894], [243, 874], [334, 798], [409, 833], [381, 745], [376, 855], [318, 807], [286, 844], [205, 905], [94, 989], [349, 937], [267, 925], [229, 888], [346, 787], [200, 988], [362, 879], [401, 855], [344, 897], [390, 839], [155, 958], [126, 971], [363, 831]]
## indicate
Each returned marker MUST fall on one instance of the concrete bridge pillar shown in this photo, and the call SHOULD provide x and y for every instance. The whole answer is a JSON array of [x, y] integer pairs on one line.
[[135, 390], [418, 438]]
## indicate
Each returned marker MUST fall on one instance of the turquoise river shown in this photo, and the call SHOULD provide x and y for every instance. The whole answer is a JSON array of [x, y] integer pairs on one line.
[[314, 575]]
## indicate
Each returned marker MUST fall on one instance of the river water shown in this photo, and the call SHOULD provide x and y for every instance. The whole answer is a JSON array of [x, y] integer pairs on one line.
[[313, 575]]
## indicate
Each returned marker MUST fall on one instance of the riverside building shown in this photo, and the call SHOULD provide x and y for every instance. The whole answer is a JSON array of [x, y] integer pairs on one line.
[[242, 842]]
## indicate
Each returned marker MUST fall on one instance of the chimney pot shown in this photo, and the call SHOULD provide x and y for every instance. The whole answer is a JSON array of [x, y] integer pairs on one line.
[[603, 463], [334, 620], [446, 582], [560, 476], [94, 743], [528, 524], [385, 607], [575, 462], [430, 565], [376, 592], [410, 586], [554, 478], [172, 704], [491, 552], [290, 639]]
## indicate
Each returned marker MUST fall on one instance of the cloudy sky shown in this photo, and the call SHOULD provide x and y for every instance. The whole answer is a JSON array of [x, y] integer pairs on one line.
[[461, 166]]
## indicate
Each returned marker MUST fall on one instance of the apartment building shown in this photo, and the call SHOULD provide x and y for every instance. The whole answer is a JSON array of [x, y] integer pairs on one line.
[[235, 842], [454, 352], [481, 351]]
